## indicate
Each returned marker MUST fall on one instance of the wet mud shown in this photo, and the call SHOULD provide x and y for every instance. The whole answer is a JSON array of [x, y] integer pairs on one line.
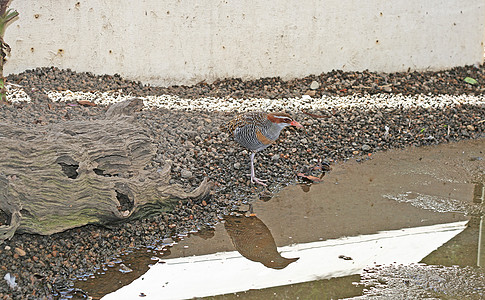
[[392, 191]]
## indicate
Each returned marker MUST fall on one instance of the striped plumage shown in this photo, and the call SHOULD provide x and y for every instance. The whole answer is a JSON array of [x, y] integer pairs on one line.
[[257, 131]]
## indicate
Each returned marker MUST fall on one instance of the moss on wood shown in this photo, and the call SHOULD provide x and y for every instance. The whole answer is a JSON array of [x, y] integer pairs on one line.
[[82, 172]]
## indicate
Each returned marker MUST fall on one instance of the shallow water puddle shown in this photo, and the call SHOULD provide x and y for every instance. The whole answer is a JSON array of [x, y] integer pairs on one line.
[[399, 207]]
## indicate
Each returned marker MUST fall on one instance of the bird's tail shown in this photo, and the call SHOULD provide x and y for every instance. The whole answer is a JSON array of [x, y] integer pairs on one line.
[[224, 127]]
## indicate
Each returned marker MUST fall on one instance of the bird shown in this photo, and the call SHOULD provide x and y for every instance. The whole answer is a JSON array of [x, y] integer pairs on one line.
[[258, 130]]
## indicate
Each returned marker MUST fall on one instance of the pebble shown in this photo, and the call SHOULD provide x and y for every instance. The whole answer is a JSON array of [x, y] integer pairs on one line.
[[20, 251], [189, 144], [314, 85], [310, 93], [124, 269], [186, 173], [237, 166], [168, 241]]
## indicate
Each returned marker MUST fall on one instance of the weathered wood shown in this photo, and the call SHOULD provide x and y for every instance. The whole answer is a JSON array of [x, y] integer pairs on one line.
[[82, 172]]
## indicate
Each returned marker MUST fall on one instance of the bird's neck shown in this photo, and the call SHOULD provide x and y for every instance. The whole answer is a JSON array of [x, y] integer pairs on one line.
[[272, 131]]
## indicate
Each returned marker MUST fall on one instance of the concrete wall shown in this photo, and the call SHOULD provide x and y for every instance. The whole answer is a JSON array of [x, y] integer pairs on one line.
[[166, 42]]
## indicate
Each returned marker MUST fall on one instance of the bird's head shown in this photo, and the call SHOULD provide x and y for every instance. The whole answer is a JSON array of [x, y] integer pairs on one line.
[[283, 119]]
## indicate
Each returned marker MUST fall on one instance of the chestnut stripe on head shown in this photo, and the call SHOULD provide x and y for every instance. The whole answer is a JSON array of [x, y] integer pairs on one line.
[[280, 117]]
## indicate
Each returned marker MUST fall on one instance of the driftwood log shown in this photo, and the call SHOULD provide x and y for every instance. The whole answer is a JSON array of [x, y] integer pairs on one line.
[[82, 172]]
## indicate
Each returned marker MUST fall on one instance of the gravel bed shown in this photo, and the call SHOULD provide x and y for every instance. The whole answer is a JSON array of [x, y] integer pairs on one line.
[[421, 281], [346, 115], [333, 83]]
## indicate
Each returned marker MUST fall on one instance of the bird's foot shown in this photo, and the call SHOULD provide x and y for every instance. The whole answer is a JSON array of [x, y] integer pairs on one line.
[[254, 179], [258, 181]]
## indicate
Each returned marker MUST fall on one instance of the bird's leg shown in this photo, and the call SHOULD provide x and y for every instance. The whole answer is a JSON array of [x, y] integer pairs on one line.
[[254, 179], [251, 210]]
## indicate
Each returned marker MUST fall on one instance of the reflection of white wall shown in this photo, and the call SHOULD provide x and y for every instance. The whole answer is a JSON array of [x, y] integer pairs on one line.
[[179, 42], [229, 272]]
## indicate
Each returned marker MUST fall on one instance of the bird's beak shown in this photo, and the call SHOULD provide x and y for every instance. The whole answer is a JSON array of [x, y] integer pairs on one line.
[[296, 124]]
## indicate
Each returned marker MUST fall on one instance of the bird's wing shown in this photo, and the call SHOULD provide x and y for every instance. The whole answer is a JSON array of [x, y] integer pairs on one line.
[[263, 139], [254, 118]]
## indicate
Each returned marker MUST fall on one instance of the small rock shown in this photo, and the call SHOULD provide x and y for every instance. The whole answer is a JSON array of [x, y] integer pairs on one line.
[[189, 144], [185, 173], [243, 207], [265, 195], [124, 269], [387, 88], [275, 157], [383, 280], [10, 281], [237, 166], [310, 93], [168, 241], [366, 147], [191, 133], [344, 257], [86, 103], [304, 141], [20, 251], [470, 127], [315, 85]]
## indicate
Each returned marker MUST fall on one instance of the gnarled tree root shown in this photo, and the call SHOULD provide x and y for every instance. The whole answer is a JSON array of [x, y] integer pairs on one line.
[[82, 172]]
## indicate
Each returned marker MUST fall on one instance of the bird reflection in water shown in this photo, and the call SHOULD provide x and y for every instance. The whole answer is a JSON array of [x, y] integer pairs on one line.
[[305, 187], [253, 240]]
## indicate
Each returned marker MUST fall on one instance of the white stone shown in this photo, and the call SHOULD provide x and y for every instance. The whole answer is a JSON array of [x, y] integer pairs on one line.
[[291, 105], [10, 280]]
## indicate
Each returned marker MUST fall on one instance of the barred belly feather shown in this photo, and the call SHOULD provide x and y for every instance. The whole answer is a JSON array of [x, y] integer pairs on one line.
[[251, 138], [254, 131]]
